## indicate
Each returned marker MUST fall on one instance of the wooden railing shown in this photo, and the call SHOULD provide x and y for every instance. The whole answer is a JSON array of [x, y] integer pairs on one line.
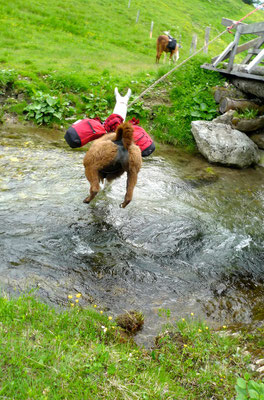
[[249, 67]]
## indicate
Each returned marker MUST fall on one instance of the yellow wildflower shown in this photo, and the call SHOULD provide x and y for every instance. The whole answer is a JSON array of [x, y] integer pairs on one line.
[[185, 345], [72, 304], [78, 295], [110, 318], [70, 296], [224, 326], [183, 319], [199, 330], [101, 312], [95, 305], [76, 301], [192, 314]]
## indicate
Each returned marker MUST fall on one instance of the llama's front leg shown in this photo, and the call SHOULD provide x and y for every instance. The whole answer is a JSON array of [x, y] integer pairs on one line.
[[131, 183], [93, 178]]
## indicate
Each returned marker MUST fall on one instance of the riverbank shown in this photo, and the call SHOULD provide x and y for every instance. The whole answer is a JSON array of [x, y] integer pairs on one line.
[[80, 353], [165, 113]]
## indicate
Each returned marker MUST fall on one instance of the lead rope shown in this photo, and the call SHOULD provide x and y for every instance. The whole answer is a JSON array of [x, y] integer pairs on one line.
[[187, 59]]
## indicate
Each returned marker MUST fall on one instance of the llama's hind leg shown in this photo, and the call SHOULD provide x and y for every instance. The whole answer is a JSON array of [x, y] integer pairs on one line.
[[131, 183], [94, 180]]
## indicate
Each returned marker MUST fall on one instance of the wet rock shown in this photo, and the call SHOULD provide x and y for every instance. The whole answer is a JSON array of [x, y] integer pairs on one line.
[[219, 143], [220, 289]]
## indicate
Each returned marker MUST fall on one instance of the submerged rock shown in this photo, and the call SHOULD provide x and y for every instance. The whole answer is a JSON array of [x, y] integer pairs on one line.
[[219, 143]]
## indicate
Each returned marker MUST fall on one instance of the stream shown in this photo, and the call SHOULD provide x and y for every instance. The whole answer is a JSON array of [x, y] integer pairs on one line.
[[191, 240]]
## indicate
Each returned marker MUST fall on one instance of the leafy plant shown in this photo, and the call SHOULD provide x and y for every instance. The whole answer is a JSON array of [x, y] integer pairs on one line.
[[247, 114], [46, 108], [95, 106], [248, 389], [137, 109], [202, 109], [7, 78]]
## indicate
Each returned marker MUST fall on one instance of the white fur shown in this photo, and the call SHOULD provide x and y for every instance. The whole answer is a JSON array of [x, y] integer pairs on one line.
[[121, 103]]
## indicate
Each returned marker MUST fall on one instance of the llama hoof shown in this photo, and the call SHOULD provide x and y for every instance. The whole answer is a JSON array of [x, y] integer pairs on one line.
[[124, 204], [86, 201]]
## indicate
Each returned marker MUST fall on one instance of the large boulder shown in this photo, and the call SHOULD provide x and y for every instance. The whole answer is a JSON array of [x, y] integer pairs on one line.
[[219, 143]]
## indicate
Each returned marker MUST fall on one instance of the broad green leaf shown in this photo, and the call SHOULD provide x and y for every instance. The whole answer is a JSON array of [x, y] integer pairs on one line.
[[203, 106], [253, 394], [241, 383]]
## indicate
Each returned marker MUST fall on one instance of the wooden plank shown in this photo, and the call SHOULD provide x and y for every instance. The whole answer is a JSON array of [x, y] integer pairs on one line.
[[242, 47], [242, 68], [228, 22], [257, 46], [234, 50], [254, 51], [255, 62], [223, 55], [235, 73], [255, 29]]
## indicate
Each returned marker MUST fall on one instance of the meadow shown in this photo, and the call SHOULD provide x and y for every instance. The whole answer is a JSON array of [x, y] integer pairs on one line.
[[81, 353], [80, 50]]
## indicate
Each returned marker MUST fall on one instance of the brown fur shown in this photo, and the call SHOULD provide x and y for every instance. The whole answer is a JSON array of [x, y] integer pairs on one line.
[[104, 160], [162, 43]]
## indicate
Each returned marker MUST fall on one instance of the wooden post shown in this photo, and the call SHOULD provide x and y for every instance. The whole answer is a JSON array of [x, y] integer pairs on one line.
[[151, 29], [234, 49], [129, 3], [137, 16], [206, 39], [193, 44]]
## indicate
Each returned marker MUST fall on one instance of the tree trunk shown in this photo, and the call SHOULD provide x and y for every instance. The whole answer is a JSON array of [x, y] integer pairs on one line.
[[227, 104], [248, 125], [249, 86]]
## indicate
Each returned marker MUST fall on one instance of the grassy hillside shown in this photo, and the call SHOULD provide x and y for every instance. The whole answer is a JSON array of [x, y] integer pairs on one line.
[[82, 37], [78, 51]]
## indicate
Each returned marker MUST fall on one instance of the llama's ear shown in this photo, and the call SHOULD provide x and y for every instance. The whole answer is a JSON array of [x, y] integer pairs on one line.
[[116, 92], [128, 93]]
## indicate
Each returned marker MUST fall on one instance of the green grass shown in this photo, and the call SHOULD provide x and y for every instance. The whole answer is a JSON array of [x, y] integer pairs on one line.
[[81, 37], [79, 354], [78, 48]]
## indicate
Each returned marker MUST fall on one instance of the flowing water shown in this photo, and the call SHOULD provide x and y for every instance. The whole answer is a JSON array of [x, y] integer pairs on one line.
[[190, 241]]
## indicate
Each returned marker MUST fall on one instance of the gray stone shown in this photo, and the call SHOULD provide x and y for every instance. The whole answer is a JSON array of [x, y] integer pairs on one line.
[[225, 118], [219, 143]]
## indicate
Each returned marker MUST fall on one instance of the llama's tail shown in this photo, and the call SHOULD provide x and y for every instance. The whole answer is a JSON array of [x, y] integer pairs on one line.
[[125, 132]]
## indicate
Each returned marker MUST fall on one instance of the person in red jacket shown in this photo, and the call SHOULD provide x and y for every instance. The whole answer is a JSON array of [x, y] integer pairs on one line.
[[86, 130]]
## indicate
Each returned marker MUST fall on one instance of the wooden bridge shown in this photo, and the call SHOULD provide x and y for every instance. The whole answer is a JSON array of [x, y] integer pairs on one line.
[[250, 67]]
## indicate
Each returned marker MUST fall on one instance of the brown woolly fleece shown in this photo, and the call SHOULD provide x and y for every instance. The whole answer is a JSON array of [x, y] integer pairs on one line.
[[109, 160]]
